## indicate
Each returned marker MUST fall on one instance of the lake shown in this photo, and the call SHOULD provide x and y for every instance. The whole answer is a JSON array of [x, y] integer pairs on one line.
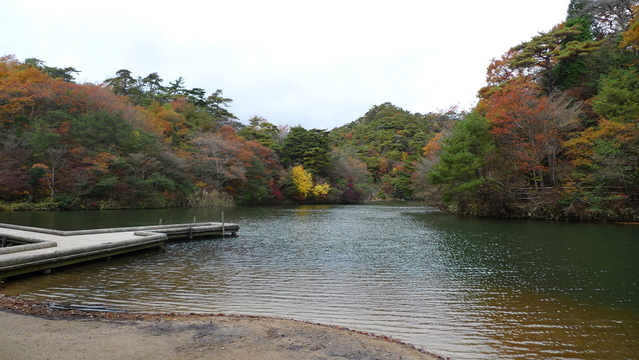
[[460, 287]]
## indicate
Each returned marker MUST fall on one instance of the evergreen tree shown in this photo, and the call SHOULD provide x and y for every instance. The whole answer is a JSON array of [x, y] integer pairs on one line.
[[461, 165], [309, 148], [618, 97]]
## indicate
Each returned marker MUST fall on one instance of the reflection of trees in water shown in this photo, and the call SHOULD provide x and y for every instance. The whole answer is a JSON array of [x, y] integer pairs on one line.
[[523, 324]]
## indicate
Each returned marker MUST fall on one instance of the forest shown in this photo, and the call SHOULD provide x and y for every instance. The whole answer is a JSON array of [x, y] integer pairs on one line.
[[554, 135], [555, 132]]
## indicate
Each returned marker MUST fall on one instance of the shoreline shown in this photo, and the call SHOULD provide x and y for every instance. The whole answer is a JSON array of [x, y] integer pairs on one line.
[[41, 332]]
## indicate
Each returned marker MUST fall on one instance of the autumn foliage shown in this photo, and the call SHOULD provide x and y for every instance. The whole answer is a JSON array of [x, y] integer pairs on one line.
[[135, 143], [563, 118], [84, 146], [554, 135]]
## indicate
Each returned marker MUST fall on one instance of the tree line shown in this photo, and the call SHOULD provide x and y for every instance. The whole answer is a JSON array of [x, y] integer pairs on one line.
[[136, 142], [554, 135]]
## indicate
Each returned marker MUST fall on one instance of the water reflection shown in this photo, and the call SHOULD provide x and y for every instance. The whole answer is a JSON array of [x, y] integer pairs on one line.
[[461, 287], [521, 323]]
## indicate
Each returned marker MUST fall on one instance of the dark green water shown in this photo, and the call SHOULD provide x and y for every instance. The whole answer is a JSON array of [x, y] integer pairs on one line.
[[460, 287]]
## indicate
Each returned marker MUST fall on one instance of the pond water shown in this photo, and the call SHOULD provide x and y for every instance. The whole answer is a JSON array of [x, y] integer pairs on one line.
[[459, 287]]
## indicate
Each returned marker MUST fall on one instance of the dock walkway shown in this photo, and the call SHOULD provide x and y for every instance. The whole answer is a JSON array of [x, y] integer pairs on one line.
[[36, 249]]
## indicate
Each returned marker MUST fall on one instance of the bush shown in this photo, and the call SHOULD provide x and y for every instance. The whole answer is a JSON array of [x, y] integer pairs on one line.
[[203, 198], [63, 201]]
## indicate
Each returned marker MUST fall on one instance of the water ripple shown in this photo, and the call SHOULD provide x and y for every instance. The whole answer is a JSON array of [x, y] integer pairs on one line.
[[464, 288]]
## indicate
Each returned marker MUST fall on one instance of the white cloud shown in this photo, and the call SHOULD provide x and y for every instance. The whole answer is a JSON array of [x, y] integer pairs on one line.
[[317, 64]]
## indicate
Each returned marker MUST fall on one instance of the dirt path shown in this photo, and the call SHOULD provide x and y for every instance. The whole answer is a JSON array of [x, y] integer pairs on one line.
[[34, 331]]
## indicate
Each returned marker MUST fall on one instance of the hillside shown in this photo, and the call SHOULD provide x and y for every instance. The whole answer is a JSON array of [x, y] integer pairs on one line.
[[390, 142], [555, 135]]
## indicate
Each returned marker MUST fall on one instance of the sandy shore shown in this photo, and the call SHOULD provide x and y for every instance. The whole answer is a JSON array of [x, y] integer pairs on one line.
[[35, 331]]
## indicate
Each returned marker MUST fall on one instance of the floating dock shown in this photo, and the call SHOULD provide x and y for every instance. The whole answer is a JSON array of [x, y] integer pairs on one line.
[[40, 250]]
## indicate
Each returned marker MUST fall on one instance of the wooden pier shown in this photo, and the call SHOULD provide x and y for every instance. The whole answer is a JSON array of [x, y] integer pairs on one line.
[[40, 250]]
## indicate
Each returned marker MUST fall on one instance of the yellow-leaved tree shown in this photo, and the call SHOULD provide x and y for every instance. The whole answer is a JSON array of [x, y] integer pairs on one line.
[[631, 36], [304, 182], [321, 189]]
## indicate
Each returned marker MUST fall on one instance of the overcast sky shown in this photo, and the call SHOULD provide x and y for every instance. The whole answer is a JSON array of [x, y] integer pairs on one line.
[[319, 64]]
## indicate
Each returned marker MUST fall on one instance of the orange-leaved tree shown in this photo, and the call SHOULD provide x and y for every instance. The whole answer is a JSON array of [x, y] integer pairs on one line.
[[530, 127], [26, 91], [605, 155], [224, 157]]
